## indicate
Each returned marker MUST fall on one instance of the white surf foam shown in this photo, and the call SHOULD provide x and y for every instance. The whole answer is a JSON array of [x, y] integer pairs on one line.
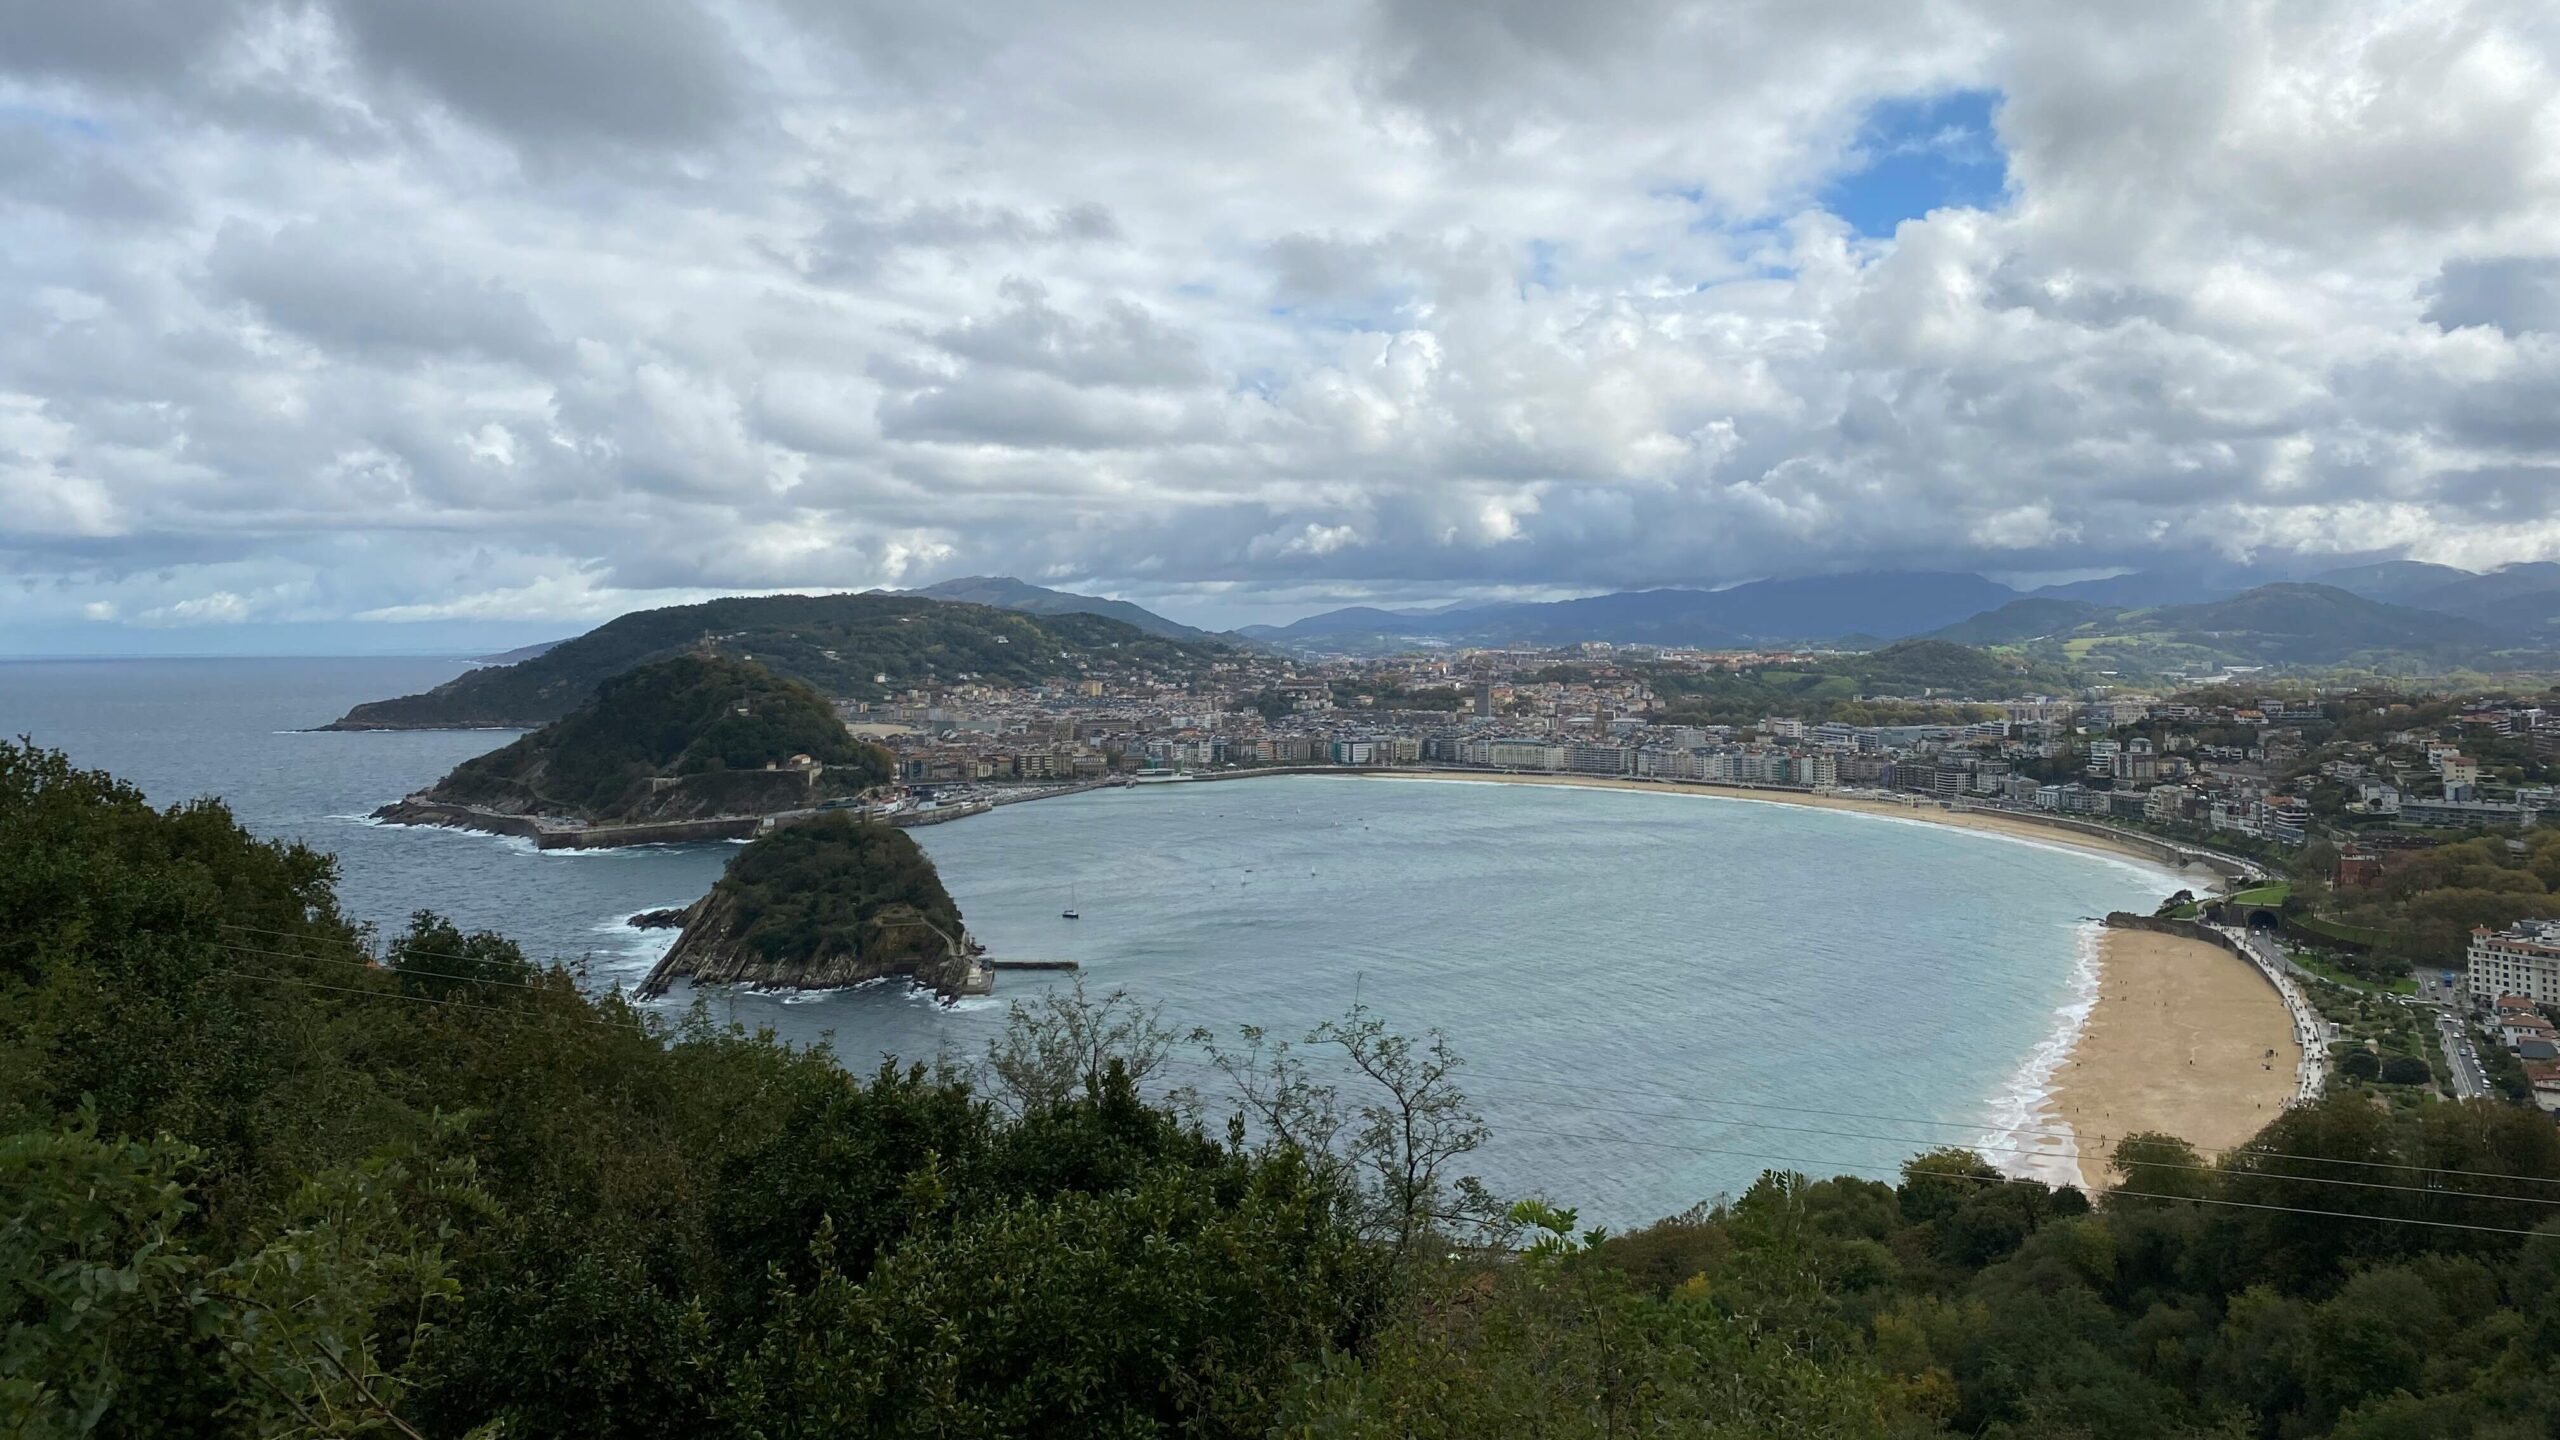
[[2029, 1137]]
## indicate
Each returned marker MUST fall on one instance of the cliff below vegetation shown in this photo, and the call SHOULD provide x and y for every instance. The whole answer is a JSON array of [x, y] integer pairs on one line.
[[822, 905], [686, 741]]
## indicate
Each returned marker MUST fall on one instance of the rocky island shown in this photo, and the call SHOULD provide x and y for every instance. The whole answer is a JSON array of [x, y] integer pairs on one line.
[[823, 904], [696, 747]]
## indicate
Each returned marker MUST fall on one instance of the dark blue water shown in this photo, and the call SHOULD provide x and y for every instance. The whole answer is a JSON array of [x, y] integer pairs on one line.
[[1658, 993]]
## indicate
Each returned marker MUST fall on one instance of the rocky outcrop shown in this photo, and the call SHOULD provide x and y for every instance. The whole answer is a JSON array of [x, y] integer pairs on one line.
[[659, 919], [717, 948], [826, 904]]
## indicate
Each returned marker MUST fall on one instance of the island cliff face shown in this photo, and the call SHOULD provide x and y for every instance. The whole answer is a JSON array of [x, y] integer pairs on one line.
[[824, 904], [692, 748]]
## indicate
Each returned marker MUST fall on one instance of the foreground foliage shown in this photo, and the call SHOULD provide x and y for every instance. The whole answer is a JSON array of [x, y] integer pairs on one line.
[[252, 1183]]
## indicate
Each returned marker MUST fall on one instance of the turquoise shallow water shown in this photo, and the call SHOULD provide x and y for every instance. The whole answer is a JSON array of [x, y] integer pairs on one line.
[[1658, 994]]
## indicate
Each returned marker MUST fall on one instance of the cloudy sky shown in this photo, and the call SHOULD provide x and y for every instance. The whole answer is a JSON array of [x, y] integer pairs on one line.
[[372, 324]]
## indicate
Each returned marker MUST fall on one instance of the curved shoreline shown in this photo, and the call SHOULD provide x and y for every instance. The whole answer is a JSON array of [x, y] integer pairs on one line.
[[1915, 810], [2055, 1116], [2185, 1037]]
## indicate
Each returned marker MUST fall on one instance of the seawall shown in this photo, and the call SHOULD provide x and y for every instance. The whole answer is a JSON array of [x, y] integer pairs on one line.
[[559, 837]]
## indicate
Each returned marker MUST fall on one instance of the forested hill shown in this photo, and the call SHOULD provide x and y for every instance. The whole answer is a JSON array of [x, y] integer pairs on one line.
[[677, 739], [2305, 625], [254, 1183], [822, 905], [858, 646], [1833, 688]]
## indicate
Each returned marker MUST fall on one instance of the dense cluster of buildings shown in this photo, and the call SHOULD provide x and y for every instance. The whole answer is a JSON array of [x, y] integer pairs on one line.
[[2234, 769], [2373, 773], [2514, 975]]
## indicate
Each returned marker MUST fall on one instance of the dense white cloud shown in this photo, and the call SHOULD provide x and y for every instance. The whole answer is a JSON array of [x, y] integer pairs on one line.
[[332, 310]]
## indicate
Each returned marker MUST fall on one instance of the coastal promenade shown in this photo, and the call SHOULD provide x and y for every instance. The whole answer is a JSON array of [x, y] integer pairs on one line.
[[2308, 1028]]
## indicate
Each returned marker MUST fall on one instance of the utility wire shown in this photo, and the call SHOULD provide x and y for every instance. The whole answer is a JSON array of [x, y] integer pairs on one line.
[[420, 999], [1923, 1143], [1789, 1160], [377, 967], [2083, 1142], [2015, 1180], [2448, 1193], [311, 937], [2243, 1149]]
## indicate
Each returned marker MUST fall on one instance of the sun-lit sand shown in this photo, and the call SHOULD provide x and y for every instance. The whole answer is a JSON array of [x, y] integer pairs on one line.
[[2185, 1037]]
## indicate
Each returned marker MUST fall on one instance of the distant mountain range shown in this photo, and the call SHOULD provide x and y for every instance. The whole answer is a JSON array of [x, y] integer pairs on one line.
[[2282, 624], [1882, 606], [2400, 615]]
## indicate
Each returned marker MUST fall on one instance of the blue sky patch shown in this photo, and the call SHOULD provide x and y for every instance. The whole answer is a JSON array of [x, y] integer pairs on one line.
[[1917, 155]]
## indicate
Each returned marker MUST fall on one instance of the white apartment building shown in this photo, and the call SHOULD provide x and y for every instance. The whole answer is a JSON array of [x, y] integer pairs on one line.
[[2522, 960]]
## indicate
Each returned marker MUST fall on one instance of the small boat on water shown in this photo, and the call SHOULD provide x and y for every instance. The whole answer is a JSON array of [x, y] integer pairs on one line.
[[1071, 912]]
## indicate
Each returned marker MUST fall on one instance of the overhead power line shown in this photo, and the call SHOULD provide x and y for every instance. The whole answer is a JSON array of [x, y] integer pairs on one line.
[[423, 999], [2018, 1180]]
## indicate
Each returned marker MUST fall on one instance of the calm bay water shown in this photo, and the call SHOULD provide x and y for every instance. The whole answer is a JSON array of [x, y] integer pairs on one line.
[[1658, 994]]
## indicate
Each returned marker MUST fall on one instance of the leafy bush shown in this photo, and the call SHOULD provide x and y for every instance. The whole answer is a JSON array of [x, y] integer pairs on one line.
[[2407, 1070]]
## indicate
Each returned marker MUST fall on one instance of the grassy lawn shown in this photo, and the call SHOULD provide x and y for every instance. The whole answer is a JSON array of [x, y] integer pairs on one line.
[[2336, 930], [2405, 985], [2274, 894]]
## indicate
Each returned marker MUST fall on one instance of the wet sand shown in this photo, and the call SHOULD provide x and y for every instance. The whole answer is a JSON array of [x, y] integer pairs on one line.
[[2178, 1040]]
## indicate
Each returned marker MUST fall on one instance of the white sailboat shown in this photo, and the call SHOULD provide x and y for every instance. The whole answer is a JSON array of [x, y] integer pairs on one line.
[[1070, 913]]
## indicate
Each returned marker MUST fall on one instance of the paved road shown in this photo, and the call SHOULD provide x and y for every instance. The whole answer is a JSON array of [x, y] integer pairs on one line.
[[2470, 1079], [2309, 1031], [2469, 1082]]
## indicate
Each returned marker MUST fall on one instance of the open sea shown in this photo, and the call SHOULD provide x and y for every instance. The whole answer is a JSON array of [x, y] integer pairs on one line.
[[1658, 995]]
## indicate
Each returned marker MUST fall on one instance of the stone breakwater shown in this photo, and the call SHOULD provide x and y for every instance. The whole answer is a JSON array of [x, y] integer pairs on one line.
[[550, 833]]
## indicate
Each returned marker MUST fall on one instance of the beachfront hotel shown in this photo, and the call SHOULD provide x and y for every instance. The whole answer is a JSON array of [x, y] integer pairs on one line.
[[2521, 960]]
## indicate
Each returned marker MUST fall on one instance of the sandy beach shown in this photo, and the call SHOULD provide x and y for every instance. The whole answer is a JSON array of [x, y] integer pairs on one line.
[[1901, 808], [2178, 1040]]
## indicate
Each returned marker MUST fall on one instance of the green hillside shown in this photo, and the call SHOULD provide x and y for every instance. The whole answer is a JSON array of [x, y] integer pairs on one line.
[[2022, 620], [1005, 592], [254, 1183], [1933, 671], [693, 735], [855, 646], [2306, 626]]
